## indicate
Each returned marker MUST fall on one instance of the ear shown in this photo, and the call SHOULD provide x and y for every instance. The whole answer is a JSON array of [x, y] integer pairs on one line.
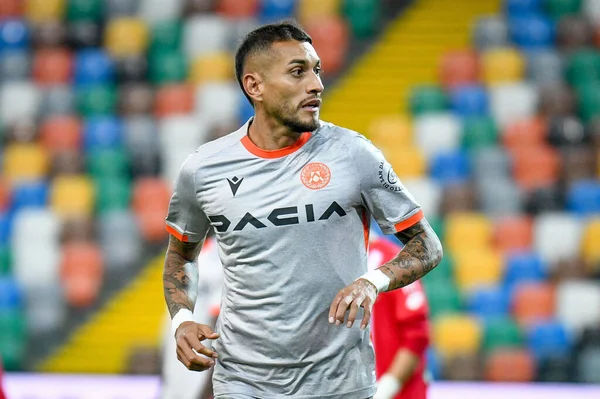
[[253, 85]]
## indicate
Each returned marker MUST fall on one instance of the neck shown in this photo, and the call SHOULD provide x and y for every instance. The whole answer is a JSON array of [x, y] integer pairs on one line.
[[269, 135]]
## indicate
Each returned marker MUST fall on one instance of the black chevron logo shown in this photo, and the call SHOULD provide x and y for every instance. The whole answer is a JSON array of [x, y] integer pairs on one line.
[[234, 184]]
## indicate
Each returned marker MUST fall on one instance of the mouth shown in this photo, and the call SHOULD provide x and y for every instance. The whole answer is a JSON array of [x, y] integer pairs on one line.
[[312, 105]]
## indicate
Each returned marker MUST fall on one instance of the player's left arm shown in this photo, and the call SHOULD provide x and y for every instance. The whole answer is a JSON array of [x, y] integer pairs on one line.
[[421, 253]]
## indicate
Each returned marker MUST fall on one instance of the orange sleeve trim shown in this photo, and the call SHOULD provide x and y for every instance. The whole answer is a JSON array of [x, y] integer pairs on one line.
[[405, 224], [366, 228], [271, 154], [178, 235]]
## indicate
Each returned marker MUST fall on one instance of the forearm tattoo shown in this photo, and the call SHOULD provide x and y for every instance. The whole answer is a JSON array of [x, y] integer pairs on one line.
[[180, 275], [421, 253]]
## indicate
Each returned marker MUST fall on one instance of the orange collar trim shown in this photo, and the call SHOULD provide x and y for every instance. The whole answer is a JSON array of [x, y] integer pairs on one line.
[[272, 154]]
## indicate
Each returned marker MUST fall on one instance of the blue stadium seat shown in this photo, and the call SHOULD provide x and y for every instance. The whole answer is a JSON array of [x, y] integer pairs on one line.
[[272, 10], [516, 7], [14, 35], [583, 197], [488, 302], [10, 293], [93, 66], [469, 100], [245, 109], [5, 228], [30, 194], [450, 167], [531, 31], [102, 132], [548, 338], [521, 267]]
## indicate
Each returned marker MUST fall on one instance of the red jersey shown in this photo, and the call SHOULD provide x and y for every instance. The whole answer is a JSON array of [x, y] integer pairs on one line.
[[2, 395], [399, 321]]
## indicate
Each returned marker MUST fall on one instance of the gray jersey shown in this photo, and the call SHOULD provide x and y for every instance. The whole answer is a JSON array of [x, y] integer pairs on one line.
[[292, 228]]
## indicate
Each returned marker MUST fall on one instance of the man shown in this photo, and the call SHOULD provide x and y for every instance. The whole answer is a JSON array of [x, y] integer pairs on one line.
[[290, 198], [400, 333]]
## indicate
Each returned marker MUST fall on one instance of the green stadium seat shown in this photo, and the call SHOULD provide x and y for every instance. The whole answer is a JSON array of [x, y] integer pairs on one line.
[[443, 297], [108, 163], [589, 100], [167, 66], [583, 67], [165, 35], [501, 333], [443, 272], [364, 16], [112, 193], [559, 8], [479, 132], [437, 224], [13, 339], [85, 10], [5, 260], [97, 100], [427, 99]]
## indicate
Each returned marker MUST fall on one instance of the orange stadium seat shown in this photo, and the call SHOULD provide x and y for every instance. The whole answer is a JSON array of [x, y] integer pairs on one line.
[[525, 133], [52, 66], [43, 10], [533, 301], [72, 195], [213, 67], [513, 233], [174, 99], [60, 133], [238, 9], [81, 272], [5, 194], [459, 68], [510, 365], [536, 166], [10, 8], [25, 161], [391, 131], [150, 203], [330, 37]]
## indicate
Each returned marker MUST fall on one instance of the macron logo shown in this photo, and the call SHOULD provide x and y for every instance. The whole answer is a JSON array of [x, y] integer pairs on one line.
[[234, 184]]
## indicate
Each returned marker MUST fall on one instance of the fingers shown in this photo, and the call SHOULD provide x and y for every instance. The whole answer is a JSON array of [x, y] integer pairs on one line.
[[354, 306], [333, 308], [191, 360], [367, 306], [205, 332], [194, 343]]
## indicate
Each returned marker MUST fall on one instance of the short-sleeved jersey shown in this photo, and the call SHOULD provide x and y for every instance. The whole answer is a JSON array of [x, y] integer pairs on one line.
[[400, 320], [292, 229]]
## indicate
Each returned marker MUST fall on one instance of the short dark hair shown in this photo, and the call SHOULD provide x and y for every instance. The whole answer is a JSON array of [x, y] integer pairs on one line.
[[262, 38]]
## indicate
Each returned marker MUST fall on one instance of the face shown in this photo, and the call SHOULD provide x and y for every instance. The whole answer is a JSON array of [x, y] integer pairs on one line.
[[291, 87]]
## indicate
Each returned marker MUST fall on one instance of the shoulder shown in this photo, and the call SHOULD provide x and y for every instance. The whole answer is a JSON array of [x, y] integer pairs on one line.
[[352, 140], [211, 149]]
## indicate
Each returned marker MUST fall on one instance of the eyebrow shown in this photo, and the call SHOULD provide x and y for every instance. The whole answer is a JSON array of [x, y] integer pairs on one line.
[[302, 62]]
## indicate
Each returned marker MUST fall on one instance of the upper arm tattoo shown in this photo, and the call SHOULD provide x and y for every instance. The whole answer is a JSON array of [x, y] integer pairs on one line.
[[421, 253], [180, 275]]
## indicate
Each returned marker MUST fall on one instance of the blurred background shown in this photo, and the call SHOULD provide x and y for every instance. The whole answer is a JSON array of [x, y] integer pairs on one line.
[[487, 109]]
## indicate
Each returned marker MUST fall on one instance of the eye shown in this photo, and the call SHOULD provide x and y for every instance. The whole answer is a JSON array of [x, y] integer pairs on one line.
[[318, 70], [298, 72]]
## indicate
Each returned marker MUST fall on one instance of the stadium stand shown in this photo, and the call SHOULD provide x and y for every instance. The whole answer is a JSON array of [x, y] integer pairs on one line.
[[492, 122]]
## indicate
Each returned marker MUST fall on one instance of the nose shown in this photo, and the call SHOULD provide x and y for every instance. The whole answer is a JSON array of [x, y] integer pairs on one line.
[[315, 86]]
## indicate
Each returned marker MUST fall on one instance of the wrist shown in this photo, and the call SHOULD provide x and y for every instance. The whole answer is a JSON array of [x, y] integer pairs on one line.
[[180, 317], [388, 386], [378, 278]]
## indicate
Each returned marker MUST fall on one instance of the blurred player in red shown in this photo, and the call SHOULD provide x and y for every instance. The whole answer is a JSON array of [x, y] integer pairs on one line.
[[400, 333], [2, 395]]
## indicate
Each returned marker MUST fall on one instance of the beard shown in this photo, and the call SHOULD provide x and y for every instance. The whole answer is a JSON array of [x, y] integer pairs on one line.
[[290, 117]]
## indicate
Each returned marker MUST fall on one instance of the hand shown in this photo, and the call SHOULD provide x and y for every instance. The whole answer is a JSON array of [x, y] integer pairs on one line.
[[188, 337], [360, 293], [387, 387]]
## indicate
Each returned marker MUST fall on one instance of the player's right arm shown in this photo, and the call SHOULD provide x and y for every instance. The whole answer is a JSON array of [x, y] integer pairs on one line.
[[187, 225]]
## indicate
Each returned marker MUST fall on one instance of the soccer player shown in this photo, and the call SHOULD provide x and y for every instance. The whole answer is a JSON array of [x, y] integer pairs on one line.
[[290, 198], [400, 332]]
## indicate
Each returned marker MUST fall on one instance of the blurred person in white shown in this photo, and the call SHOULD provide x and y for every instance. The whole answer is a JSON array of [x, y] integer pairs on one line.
[[291, 198], [177, 381]]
